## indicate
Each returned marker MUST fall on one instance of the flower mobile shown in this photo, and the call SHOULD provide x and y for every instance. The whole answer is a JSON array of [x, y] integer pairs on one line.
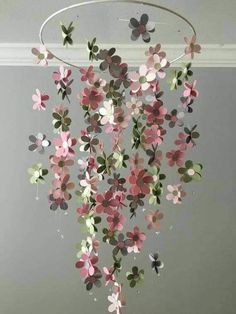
[[113, 184]]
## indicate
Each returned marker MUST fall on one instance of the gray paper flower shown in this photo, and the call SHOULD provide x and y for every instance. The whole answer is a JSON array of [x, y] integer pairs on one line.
[[142, 27], [39, 143]]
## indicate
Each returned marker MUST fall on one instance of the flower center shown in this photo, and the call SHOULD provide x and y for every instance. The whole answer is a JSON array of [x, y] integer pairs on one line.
[[142, 79], [121, 244], [63, 187], [190, 172], [65, 144], [61, 163], [41, 56], [135, 237], [142, 29]]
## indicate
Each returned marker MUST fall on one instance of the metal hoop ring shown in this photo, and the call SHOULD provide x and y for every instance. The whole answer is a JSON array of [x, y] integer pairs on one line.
[[110, 1]]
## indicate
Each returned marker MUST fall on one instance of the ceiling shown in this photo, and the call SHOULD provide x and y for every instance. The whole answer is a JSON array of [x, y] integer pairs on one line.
[[214, 20]]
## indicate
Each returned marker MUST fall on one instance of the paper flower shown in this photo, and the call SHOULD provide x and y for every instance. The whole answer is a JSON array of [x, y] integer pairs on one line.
[[39, 100], [89, 183], [174, 118], [64, 145], [120, 72], [157, 64], [142, 79], [39, 143], [121, 245], [93, 50], [175, 157], [190, 92], [134, 106], [190, 172], [154, 135], [67, 34], [105, 203], [176, 193], [192, 47], [94, 279], [136, 162], [155, 156], [61, 164], [140, 180], [186, 72], [62, 81], [156, 263], [107, 112], [91, 97], [135, 277], [191, 135], [109, 275], [175, 79], [154, 218], [61, 187], [155, 112], [86, 263], [88, 222], [37, 173], [55, 203], [110, 60], [117, 183], [116, 220], [155, 51], [137, 237], [42, 55], [181, 142], [115, 303], [61, 121], [141, 28]]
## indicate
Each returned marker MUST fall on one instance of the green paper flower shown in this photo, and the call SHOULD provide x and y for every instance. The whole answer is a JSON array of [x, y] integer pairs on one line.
[[120, 159], [93, 49], [156, 186], [37, 174], [135, 277], [192, 134], [106, 163], [186, 72], [61, 120], [175, 79], [67, 34], [88, 222], [190, 172]]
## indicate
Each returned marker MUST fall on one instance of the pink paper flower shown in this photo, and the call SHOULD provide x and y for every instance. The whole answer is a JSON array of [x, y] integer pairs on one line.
[[175, 157], [121, 119], [140, 180], [90, 184], [155, 50], [64, 145], [83, 210], [190, 92], [61, 76], [91, 97], [157, 64], [141, 80], [61, 187], [138, 238], [155, 112], [154, 135], [176, 193], [42, 55], [105, 203], [134, 106], [116, 220], [154, 218], [60, 165], [181, 141], [39, 100], [87, 74], [109, 275], [86, 263], [192, 46], [136, 162], [115, 303]]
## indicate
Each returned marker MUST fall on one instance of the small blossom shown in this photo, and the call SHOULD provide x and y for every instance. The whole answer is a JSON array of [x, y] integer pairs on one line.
[[140, 180], [134, 106], [154, 218], [116, 220], [42, 55], [140, 81], [176, 193], [107, 112], [192, 47], [175, 157], [109, 275], [64, 145], [39, 100], [141, 28], [39, 143], [105, 203], [154, 135], [91, 97], [138, 238], [155, 112], [86, 263], [61, 187]]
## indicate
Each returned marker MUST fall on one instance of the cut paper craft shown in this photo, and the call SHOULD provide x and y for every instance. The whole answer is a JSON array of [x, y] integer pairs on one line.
[[120, 160]]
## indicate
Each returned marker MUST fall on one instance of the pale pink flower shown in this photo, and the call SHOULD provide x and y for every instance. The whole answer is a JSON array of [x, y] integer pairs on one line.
[[64, 145], [176, 193], [42, 55], [109, 275], [115, 303], [90, 184], [107, 112], [175, 157], [154, 135], [192, 46], [134, 105], [121, 119], [39, 100], [86, 263], [154, 218], [157, 64], [141, 80], [61, 187], [181, 141], [60, 165], [61, 76], [190, 91], [87, 74]]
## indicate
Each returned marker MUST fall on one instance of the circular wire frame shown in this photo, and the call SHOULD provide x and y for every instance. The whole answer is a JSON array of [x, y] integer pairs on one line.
[[111, 1]]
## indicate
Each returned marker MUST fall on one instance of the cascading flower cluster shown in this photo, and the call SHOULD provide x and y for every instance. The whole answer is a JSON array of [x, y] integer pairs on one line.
[[114, 183]]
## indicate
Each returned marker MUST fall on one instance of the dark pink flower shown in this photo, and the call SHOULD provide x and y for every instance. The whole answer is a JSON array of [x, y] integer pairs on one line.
[[190, 92], [64, 145], [154, 135], [87, 74], [91, 97], [175, 157], [138, 238], [155, 112], [116, 220], [192, 46], [61, 187], [154, 218], [86, 263], [140, 181], [61, 76], [105, 203], [83, 210]]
